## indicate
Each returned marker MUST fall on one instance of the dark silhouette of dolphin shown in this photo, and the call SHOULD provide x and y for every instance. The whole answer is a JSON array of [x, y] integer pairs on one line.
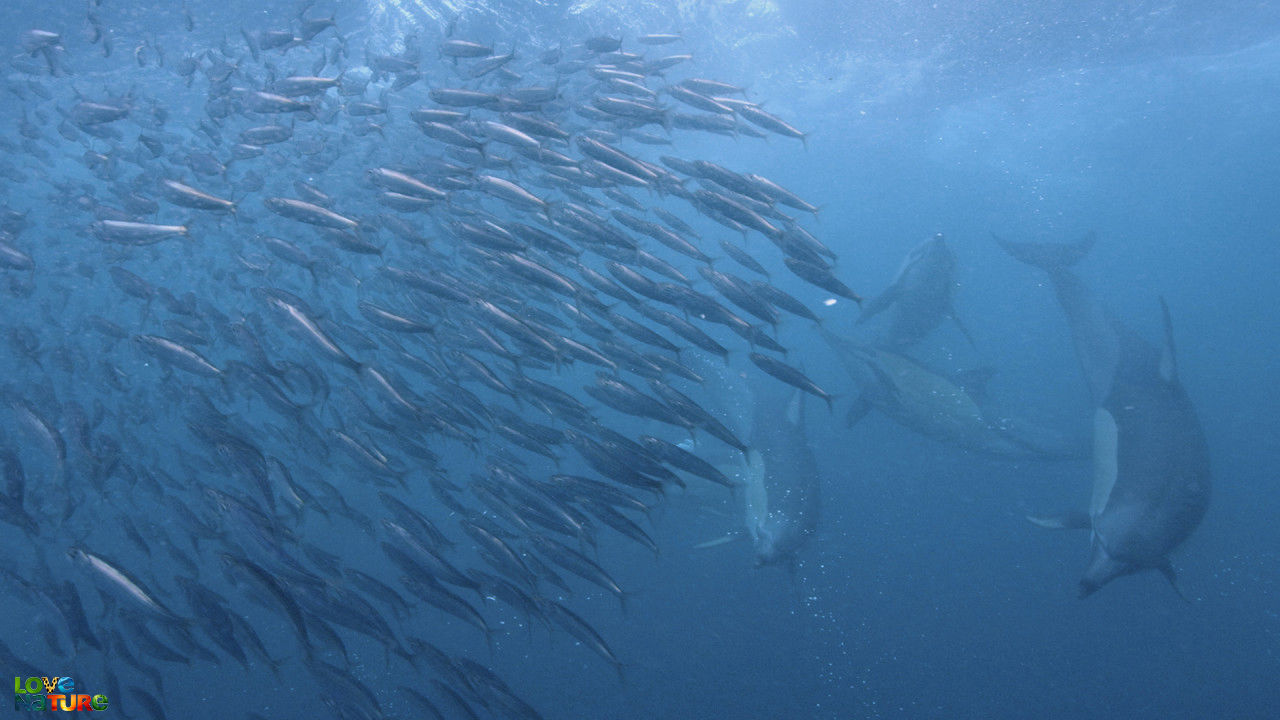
[[1151, 480]]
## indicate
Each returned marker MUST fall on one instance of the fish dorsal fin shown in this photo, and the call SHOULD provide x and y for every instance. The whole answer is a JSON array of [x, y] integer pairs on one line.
[[1168, 355], [974, 381]]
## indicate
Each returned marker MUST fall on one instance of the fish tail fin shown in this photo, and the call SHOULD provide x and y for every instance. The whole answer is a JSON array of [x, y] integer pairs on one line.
[[1050, 257]]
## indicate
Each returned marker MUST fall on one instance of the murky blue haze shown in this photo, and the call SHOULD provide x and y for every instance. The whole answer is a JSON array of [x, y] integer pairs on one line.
[[923, 592]]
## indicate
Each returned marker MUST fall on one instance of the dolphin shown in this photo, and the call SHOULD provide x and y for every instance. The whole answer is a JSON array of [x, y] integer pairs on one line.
[[778, 473], [944, 408], [1151, 476], [782, 493], [920, 297]]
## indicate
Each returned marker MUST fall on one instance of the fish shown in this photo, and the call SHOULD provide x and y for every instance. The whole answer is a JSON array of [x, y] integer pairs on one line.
[[301, 85], [136, 233], [385, 298], [464, 49], [659, 38], [820, 277], [1152, 479], [86, 113], [258, 576], [121, 580], [187, 196], [768, 121], [175, 354], [309, 213], [790, 376], [14, 259]]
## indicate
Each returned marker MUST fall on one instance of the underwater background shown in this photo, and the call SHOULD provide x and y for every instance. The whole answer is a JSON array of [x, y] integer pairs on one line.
[[922, 592]]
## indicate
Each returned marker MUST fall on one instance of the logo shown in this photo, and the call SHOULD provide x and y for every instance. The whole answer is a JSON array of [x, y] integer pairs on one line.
[[53, 693]]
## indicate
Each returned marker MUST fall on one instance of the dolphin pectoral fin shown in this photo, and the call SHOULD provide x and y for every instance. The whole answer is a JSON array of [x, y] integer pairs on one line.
[[1168, 355], [974, 381], [1166, 569], [1072, 520], [716, 542], [878, 305], [887, 383], [858, 410], [963, 329]]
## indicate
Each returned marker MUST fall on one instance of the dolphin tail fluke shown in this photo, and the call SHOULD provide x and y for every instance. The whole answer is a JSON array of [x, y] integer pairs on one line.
[[1073, 520], [1093, 333], [1050, 257]]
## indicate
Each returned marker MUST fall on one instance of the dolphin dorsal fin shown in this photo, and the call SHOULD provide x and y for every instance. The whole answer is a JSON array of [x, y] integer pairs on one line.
[[1168, 355]]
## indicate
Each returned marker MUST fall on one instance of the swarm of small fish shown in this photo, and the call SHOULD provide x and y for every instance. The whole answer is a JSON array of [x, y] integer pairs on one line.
[[420, 302]]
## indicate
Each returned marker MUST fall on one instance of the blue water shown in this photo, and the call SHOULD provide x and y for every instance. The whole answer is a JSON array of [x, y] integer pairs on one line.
[[924, 593]]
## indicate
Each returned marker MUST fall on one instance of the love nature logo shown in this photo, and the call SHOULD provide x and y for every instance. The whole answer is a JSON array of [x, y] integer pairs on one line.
[[53, 693]]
